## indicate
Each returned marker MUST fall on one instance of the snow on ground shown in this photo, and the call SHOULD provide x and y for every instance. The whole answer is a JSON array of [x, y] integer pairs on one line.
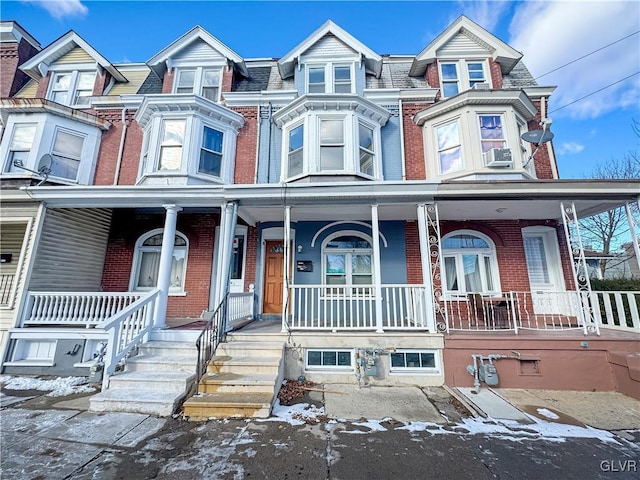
[[548, 413], [58, 387], [302, 413]]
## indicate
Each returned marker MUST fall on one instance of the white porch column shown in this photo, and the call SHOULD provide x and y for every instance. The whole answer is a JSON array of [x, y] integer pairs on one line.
[[632, 231], [425, 261], [377, 277], [166, 260], [285, 271], [228, 220]]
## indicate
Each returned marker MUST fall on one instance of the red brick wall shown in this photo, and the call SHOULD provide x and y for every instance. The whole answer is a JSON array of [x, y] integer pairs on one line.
[[227, 79], [250, 259], [496, 74], [110, 144], [412, 245], [43, 86], [542, 161], [126, 228], [246, 146], [13, 79], [432, 76], [167, 81], [102, 80], [413, 143]]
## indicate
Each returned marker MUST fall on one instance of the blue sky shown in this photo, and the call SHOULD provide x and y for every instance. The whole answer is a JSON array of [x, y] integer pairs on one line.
[[550, 34]]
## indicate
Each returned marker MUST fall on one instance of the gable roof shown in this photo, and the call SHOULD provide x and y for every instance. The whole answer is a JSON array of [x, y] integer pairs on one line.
[[502, 53], [373, 61], [37, 66], [156, 63]]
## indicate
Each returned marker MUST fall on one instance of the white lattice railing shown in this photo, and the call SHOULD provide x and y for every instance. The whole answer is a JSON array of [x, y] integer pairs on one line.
[[88, 309], [239, 307], [333, 307], [126, 329], [617, 310]]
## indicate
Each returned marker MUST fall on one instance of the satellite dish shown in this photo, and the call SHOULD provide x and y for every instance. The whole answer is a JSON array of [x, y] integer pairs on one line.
[[44, 165], [537, 137]]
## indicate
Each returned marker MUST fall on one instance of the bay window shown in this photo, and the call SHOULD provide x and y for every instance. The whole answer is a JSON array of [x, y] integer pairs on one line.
[[491, 132], [470, 264], [366, 149], [211, 152], [171, 145], [66, 154], [449, 147], [20, 146], [295, 155], [331, 145], [147, 262]]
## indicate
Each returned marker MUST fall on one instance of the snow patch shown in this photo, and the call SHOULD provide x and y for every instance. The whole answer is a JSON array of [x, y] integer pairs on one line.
[[298, 414], [548, 413], [57, 387]]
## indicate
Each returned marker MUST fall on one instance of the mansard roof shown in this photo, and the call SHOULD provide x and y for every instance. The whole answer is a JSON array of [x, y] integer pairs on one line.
[[37, 66], [372, 60], [474, 34], [158, 61]]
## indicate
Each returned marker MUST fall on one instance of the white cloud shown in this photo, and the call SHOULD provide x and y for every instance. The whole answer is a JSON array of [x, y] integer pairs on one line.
[[485, 13], [552, 34], [61, 8], [570, 148]]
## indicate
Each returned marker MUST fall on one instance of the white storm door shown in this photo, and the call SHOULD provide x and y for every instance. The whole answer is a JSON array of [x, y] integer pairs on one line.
[[238, 254]]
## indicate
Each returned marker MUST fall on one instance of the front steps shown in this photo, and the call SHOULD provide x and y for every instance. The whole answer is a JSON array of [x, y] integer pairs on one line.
[[242, 380], [154, 382]]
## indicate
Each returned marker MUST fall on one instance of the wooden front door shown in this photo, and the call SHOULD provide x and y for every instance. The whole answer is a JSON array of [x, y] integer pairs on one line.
[[273, 277]]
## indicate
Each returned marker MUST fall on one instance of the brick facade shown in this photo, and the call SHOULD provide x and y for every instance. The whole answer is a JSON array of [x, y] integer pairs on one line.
[[412, 246], [11, 56], [110, 145], [246, 146], [127, 226], [413, 143], [250, 266]]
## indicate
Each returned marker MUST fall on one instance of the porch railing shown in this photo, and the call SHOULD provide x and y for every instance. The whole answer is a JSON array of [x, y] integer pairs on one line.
[[88, 309], [617, 310], [126, 329], [334, 307], [6, 282], [240, 306], [212, 334]]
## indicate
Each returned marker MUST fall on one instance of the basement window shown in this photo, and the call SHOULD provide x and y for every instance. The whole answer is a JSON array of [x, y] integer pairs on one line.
[[329, 359], [422, 361], [35, 353]]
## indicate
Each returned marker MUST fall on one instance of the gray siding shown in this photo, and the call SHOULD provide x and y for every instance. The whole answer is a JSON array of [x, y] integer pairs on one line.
[[329, 46], [71, 251], [462, 45], [198, 50], [269, 170], [391, 150], [360, 79]]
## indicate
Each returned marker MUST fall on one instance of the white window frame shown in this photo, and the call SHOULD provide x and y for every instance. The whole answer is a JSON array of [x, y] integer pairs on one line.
[[551, 247], [8, 166], [435, 370], [481, 253], [302, 149], [328, 368], [237, 285], [451, 121], [202, 148], [137, 259], [360, 288], [463, 80], [162, 144], [72, 91], [503, 140], [329, 75], [324, 143], [198, 80], [67, 157]]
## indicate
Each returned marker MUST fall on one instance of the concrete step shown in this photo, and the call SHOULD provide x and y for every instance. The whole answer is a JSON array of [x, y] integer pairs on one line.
[[256, 349], [157, 403], [234, 337], [166, 348], [152, 381], [175, 335], [244, 365], [224, 405], [161, 363], [237, 383]]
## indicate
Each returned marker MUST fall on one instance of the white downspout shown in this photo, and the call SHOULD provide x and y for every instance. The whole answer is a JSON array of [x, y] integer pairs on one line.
[[402, 159], [552, 157], [116, 174]]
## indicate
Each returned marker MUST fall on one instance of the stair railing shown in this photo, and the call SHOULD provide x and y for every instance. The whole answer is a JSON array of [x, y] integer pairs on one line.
[[212, 334], [127, 328]]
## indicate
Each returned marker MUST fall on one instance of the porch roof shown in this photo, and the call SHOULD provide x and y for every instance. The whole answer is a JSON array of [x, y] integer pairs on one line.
[[460, 200]]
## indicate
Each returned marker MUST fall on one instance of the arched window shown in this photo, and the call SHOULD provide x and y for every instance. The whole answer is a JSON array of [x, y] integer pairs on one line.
[[146, 262], [347, 257], [470, 263]]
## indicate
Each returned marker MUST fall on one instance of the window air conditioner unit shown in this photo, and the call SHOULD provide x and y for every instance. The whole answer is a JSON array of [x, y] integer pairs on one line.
[[499, 157], [481, 86]]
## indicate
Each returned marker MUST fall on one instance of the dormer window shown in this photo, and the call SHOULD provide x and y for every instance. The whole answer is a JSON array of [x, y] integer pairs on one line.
[[461, 75], [72, 88], [330, 78], [201, 81]]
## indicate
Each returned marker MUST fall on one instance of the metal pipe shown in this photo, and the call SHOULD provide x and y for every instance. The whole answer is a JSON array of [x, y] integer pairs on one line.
[[116, 174]]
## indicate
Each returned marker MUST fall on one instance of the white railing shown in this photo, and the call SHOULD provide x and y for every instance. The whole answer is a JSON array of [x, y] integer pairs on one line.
[[125, 330], [239, 307], [617, 310], [327, 307], [543, 310], [6, 282], [481, 311], [88, 309]]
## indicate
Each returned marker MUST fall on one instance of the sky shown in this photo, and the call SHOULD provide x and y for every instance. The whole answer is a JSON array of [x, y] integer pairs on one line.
[[593, 108]]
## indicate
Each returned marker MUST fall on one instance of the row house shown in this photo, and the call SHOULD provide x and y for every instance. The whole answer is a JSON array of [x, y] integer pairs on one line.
[[333, 213]]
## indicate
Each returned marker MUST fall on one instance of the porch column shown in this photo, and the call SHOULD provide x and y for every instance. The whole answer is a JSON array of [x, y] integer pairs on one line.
[[632, 231], [228, 220], [285, 271], [425, 262], [166, 260], [377, 277]]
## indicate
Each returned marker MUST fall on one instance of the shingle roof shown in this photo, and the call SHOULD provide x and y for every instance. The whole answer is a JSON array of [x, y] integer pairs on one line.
[[395, 75], [519, 77], [152, 84], [258, 80]]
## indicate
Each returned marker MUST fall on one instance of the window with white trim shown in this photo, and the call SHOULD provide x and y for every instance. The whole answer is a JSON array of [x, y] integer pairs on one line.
[[72, 88], [295, 156], [172, 139], [458, 76], [330, 78], [449, 147], [367, 153], [211, 152], [329, 359], [146, 263], [492, 134], [347, 259], [201, 81], [418, 361], [20, 146], [66, 154], [470, 263], [331, 145]]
